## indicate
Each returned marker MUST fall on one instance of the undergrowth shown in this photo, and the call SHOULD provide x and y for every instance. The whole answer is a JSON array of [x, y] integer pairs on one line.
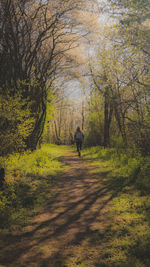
[[126, 241], [29, 177]]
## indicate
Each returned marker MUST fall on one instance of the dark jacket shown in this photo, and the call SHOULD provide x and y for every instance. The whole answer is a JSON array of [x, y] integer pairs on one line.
[[78, 136]]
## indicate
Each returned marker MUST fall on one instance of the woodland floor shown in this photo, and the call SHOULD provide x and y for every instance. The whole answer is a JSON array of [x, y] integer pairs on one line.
[[71, 228]]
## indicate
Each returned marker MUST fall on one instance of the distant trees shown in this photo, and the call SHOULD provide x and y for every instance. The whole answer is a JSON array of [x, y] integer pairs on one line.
[[60, 128]]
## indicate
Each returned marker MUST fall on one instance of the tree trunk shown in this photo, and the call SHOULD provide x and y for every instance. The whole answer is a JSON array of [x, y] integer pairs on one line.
[[106, 122], [36, 134], [83, 119], [120, 120]]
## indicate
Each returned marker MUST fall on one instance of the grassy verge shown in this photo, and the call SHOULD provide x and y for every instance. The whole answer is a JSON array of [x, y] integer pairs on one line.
[[126, 239], [29, 179]]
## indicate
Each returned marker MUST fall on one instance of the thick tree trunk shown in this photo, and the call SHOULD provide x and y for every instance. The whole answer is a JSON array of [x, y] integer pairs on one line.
[[108, 110], [2, 177], [83, 118], [120, 120], [106, 124], [57, 135], [36, 134]]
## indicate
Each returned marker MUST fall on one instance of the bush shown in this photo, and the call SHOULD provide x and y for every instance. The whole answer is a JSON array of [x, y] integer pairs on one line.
[[16, 123]]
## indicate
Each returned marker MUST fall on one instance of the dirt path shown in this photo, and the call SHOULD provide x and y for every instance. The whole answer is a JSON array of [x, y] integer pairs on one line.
[[68, 230]]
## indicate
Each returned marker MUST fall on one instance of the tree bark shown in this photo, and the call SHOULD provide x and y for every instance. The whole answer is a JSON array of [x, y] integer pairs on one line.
[[108, 110]]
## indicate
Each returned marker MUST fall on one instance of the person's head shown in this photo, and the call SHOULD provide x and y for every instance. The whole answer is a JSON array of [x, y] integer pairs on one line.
[[78, 128]]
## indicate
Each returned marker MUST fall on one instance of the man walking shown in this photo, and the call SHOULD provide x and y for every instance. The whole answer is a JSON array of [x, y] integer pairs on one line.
[[79, 138]]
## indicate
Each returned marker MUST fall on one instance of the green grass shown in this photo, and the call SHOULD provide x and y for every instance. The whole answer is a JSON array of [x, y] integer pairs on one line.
[[126, 241], [29, 179]]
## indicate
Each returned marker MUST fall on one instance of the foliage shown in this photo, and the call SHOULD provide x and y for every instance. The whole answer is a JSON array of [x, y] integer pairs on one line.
[[29, 179], [16, 123]]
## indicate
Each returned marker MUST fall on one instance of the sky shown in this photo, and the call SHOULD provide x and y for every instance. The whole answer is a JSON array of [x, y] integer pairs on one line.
[[86, 49]]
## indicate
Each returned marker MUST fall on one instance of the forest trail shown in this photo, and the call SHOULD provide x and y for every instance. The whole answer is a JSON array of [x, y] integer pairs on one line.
[[69, 229]]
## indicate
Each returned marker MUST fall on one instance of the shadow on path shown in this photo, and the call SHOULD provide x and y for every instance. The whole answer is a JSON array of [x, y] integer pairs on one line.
[[76, 212]]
